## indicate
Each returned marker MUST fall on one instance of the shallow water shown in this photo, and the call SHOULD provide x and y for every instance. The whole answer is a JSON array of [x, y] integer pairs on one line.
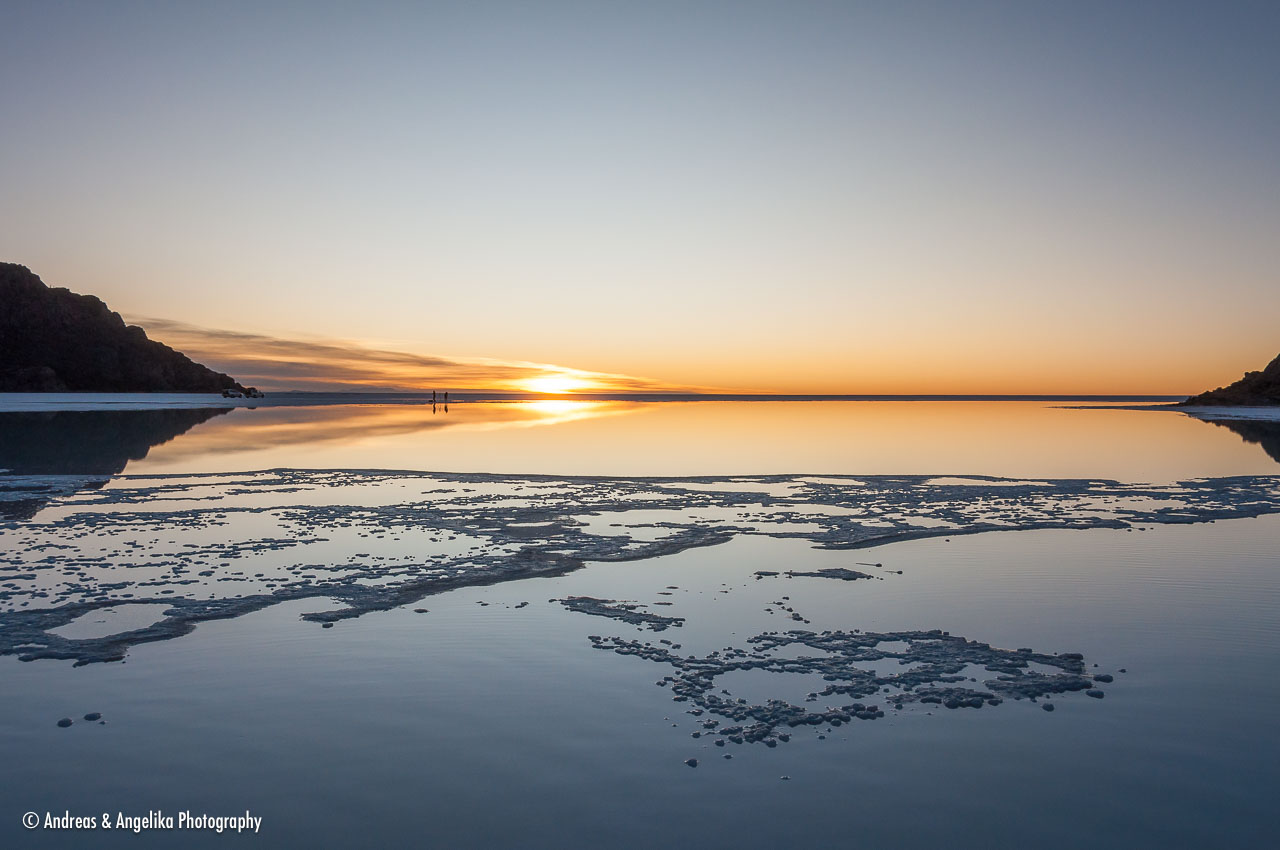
[[1013, 439], [502, 726], [494, 719]]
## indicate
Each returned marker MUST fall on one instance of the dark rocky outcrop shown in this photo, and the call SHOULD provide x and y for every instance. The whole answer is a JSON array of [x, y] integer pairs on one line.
[[1256, 388], [53, 340]]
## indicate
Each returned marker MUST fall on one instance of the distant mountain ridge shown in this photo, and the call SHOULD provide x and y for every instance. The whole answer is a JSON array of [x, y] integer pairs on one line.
[[1255, 388], [53, 340]]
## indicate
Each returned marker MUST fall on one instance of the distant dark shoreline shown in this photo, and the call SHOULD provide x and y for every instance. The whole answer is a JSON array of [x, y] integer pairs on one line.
[[120, 401]]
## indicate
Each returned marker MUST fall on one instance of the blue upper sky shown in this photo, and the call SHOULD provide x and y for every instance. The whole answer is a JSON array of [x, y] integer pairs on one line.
[[860, 197]]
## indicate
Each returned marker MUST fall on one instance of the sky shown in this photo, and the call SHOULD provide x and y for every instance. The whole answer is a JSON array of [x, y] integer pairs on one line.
[[844, 197]]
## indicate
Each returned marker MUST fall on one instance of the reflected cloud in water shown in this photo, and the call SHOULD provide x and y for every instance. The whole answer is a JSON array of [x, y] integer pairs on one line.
[[92, 446], [358, 426]]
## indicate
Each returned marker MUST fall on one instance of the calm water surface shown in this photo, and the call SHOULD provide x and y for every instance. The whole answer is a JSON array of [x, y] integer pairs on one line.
[[492, 725], [1006, 438]]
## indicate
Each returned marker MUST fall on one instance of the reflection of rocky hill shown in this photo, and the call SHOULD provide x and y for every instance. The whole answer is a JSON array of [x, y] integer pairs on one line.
[[89, 442], [1265, 434], [1254, 388], [53, 340], [94, 443]]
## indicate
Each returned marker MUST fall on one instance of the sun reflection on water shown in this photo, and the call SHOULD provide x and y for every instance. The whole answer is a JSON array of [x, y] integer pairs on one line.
[[598, 437]]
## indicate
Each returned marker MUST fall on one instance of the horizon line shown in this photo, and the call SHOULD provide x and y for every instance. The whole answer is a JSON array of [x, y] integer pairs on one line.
[[653, 395]]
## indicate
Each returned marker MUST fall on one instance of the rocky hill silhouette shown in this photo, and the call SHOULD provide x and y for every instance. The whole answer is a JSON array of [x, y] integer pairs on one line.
[[53, 340], [1254, 388]]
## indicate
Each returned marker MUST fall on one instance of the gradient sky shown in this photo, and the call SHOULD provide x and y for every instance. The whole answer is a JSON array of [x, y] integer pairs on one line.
[[851, 197]]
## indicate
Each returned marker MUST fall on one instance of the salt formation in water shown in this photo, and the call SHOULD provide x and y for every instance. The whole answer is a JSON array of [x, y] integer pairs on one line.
[[217, 546], [928, 668], [626, 612]]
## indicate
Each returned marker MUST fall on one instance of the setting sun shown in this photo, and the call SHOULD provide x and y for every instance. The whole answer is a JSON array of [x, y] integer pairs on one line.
[[556, 383]]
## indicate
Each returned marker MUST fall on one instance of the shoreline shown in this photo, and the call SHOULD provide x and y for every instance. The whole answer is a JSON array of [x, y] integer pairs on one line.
[[1205, 413], [49, 402]]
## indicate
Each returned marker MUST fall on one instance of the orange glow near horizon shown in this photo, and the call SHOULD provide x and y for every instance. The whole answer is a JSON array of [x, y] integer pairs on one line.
[[936, 360]]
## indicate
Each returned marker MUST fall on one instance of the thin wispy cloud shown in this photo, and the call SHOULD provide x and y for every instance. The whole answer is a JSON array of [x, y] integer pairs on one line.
[[277, 364]]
